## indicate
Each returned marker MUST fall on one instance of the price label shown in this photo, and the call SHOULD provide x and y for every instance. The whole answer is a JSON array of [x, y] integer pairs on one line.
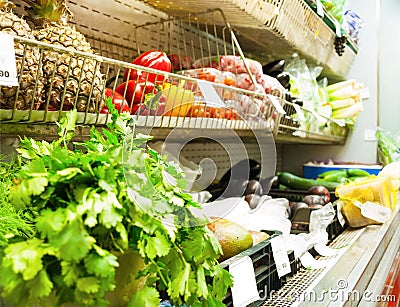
[[337, 28], [364, 93], [320, 8], [374, 211], [244, 289], [276, 104], [299, 112], [339, 122], [8, 66], [210, 95], [280, 256]]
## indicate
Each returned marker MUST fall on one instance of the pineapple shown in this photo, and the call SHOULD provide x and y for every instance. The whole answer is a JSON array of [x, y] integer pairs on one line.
[[78, 78], [28, 69]]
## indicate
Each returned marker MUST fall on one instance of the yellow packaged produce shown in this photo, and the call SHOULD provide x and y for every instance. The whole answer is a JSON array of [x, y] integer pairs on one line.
[[353, 216], [367, 201]]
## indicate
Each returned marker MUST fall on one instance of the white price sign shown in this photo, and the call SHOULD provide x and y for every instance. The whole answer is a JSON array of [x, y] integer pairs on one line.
[[374, 211], [280, 256], [210, 94], [320, 8], [8, 66], [299, 112], [244, 290]]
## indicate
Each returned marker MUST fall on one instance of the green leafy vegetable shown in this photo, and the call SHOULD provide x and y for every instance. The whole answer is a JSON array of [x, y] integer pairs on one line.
[[14, 224], [90, 204]]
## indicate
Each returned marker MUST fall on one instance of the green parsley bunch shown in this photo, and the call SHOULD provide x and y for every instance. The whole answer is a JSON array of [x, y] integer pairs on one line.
[[104, 198]]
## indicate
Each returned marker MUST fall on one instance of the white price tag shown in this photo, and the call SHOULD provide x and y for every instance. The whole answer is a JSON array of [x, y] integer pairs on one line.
[[364, 93], [280, 256], [244, 289], [337, 28], [374, 211], [276, 104], [299, 112], [339, 122], [209, 93], [320, 8], [8, 66]]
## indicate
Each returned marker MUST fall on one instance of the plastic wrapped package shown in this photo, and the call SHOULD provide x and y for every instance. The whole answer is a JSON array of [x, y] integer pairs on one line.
[[270, 214], [388, 146], [354, 24], [367, 201], [231, 63], [271, 85]]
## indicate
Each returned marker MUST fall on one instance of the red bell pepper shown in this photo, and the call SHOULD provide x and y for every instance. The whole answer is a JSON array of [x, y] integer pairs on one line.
[[155, 59], [118, 101]]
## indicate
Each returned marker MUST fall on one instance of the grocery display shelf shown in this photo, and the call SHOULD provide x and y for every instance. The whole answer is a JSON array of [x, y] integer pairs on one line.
[[355, 275], [302, 126], [274, 29], [67, 85]]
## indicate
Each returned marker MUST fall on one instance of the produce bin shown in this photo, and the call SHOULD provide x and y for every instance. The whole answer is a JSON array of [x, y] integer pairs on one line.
[[312, 171], [264, 267], [334, 229]]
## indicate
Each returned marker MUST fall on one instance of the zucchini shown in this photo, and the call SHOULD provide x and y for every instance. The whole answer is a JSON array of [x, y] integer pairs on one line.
[[299, 183]]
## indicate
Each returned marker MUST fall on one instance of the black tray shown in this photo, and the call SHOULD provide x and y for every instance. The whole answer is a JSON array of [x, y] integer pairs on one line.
[[266, 274]]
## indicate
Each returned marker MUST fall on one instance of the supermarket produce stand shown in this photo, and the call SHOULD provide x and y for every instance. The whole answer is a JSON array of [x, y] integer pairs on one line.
[[364, 255]]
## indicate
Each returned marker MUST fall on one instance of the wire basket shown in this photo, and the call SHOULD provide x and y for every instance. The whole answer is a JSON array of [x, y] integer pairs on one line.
[[79, 80], [302, 124]]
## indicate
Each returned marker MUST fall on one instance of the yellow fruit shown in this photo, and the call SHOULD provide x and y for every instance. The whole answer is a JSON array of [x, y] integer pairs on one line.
[[178, 99], [258, 236]]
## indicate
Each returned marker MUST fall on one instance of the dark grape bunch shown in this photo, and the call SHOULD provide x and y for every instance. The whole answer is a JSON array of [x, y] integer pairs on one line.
[[340, 44]]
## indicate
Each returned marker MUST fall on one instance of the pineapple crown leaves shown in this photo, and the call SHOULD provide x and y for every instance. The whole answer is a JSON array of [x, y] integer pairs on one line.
[[43, 12], [6, 5]]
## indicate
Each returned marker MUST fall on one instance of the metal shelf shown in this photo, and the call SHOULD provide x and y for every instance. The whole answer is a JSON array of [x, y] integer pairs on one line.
[[273, 29], [206, 33]]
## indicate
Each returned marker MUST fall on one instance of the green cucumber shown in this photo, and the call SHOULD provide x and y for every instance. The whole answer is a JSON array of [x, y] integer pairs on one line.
[[299, 183]]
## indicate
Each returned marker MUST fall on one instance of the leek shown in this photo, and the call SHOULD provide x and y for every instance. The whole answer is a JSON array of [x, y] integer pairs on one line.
[[348, 112], [351, 83], [345, 92], [342, 103]]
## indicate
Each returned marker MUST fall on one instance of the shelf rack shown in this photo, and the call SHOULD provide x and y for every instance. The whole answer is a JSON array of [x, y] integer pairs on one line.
[[118, 45], [273, 29]]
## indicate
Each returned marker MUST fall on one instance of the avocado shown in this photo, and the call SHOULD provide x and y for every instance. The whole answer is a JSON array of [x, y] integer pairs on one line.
[[232, 237]]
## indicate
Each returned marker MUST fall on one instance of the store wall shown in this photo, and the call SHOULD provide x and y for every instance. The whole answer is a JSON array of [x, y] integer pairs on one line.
[[389, 64], [358, 148]]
